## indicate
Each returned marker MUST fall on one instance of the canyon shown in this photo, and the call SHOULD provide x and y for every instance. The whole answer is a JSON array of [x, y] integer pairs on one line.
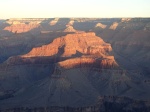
[[75, 64]]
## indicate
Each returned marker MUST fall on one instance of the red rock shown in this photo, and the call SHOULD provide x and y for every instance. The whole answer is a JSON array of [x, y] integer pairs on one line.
[[20, 28], [72, 50], [85, 43]]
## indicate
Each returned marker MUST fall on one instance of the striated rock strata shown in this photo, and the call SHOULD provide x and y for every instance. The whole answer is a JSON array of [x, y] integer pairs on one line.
[[73, 70], [84, 43], [73, 49], [21, 27]]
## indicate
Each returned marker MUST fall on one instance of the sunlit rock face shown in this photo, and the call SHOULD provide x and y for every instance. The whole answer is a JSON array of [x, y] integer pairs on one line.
[[54, 22], [84, 43], [22, 25], [69, 29], [99, 63], [65, 57], [63, 66], [114, 26], [100, 25], [82, 47], [20, 28]]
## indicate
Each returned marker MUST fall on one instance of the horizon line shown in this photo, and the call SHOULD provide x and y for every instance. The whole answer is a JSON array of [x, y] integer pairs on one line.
[[71, 17]]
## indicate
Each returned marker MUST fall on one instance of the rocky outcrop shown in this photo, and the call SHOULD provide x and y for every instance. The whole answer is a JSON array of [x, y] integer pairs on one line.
[[21, 25], [70, 51], [92, 62], [100, 25], [129, 39], [71, 22], [76, 70], [114, 26], [84, 43], [18, 27], [54, 22], [69, 29]]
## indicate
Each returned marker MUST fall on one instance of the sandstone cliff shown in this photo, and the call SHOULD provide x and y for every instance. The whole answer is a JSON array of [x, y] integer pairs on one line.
[[85, 43], [21, 27], [74, 70], [81, 62], [83, 49]]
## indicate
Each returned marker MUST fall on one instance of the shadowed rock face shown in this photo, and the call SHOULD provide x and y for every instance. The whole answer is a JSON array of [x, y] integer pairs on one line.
[[129, 38], [79, 48], [66, 55], [85, 43], [62, 69]]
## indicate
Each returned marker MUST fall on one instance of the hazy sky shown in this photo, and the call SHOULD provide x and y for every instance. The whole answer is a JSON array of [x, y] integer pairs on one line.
[[74, 8]]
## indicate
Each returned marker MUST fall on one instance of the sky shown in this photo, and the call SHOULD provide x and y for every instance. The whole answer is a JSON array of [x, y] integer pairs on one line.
[[73, 8]]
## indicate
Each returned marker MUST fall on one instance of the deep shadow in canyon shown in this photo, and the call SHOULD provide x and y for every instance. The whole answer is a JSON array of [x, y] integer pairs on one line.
[[75, 64]]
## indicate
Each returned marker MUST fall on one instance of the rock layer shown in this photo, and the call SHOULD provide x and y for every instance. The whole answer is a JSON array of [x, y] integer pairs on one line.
[[74, 50], [76, 69], [20, 28], [84, 43]]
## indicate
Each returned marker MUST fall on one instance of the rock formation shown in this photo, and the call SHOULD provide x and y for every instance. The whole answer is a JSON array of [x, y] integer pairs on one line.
[[75, 70], [83, 48], [53, 22], [85, 43], [100, 25], [71, 22], [17, 27], [99, 63], [69, 29], [129, 38], [114, 26]]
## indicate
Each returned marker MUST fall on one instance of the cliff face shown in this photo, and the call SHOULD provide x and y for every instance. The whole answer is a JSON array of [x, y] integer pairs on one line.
[[99, 63], [17, 27], [129, 38], [75, 69], [38, 25], [64, 56], [82, 48], [85, 43]]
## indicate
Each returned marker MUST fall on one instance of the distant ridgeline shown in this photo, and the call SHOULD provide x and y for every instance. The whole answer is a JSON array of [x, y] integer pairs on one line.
[[27, 19]]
